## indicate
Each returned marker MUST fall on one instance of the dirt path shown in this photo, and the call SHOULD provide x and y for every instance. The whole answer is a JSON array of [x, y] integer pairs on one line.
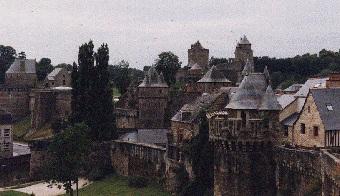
[[41, 189]]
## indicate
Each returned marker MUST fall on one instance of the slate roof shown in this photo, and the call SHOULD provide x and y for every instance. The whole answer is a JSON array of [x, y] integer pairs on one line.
[[202, 102], [248, 68], [290, 120], [311, 83], [153, 79], [213, 75], [195, 66], [54, 73], [285, 99], [328, 97], [293, 88], [244, 40], [147, 136], [254, 93], [16, 66]]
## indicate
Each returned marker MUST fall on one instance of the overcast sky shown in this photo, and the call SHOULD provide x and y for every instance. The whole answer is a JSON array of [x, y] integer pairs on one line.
[[138, 30]]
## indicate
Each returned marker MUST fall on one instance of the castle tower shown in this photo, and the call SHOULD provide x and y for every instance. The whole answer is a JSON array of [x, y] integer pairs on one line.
[[243, 51], [198, 55], [152, 100]]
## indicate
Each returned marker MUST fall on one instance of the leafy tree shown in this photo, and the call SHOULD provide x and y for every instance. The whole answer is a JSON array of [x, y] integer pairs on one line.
[[7, 56], [68, 151], [44, 67], [22, 55], [120, 75], [216, 61], [168, 64]]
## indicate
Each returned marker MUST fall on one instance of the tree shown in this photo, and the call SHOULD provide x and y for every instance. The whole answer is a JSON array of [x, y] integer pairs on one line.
[[7, 57], [68, 151], [44, 67], [102, 121], [168, 64], [22, 55], [120, 75], [216, 61]]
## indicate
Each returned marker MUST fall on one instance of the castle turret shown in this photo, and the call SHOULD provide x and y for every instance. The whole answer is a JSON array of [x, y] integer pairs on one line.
[[198, 55], [243, 51]]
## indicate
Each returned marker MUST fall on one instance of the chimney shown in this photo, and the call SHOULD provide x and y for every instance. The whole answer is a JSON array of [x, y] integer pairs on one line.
[[333, 81]]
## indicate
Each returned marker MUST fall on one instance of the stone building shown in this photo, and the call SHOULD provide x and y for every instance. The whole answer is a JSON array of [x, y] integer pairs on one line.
[[233, 68], [243, 135], [212, 81], [6, 135], [318, 124], [22, 73], [50, 104], [58, 77], [14, 94], [153, 94]]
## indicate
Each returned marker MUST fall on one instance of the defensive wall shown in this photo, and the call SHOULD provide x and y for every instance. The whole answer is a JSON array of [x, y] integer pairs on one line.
[[14, 170]]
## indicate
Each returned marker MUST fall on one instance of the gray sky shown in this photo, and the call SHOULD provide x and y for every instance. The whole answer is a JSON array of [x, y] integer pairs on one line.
[[138, 30]]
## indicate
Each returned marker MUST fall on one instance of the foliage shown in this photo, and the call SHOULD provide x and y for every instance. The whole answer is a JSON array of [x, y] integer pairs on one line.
[[182, 178], [92, 92], [167, 63], [13, 193], [137, 181], [123, 76], [299, 68], [22, 55], [118, 185], [68, 151], [44, 67], [216, 61], [201, 155], [21, 128], [7, 56]]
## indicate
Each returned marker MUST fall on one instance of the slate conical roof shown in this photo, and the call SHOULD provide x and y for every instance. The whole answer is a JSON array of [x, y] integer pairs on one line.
[[254, 93], [244, 40], [153, 79], [213, 75], [248, 68], [269, 101]]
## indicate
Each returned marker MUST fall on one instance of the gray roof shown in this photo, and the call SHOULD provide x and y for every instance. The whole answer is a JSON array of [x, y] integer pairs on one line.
[[311, 83], [189, 112], [328, 97], [290, 120], [293, 88], [214, 75], [244, 40], [195, 66], [285, 99], [16, 67], [147, 136], [153, 79], [54, 73], [248, 68], [254, 93]]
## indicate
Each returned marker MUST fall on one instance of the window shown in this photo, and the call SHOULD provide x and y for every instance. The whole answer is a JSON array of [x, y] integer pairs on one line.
[[52, 83], [329, 107], [316, 130], [303, 128], [6, 132], [64, 82], [308, 109], [6, 147]]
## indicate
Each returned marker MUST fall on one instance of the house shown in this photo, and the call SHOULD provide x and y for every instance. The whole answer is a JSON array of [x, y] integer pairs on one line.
[[6, 135], [58, 77], [22, 73], [318, 124]]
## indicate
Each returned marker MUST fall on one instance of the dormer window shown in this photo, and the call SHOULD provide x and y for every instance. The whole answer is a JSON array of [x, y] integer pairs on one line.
[[329, 107]]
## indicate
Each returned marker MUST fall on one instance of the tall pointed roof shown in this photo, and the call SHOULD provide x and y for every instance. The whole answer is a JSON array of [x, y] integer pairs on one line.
[[153, 79], [248, 68], [269, 101], [214, 75], [197, 45], [266, 73], [22, 66], [254, 93], [244, 40]]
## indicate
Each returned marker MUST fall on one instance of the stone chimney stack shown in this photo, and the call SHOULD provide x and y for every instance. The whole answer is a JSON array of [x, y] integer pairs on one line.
[[333, 81]]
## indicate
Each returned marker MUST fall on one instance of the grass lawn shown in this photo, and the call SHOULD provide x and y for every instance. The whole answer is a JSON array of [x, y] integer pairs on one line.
[[115, 92], [12, 193], [118, 185], [21, 128]]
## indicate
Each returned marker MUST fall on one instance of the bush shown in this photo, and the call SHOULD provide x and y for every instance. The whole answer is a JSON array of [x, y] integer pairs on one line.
[[137, 182]]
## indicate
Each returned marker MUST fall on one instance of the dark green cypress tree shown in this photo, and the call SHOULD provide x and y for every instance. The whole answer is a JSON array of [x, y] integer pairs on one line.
[[103, 118], [75, 96]]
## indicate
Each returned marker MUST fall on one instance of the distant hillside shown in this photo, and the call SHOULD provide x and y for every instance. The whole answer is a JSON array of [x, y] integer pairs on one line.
[[286, 71]]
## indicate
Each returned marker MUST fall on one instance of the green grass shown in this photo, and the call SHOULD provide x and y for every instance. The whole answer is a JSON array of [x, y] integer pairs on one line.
[[115, 92], [118, 185], [21, 128], [12, 193]]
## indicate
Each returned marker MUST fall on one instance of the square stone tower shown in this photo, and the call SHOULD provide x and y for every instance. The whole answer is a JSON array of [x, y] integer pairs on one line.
[[198, 55], [153, 95]]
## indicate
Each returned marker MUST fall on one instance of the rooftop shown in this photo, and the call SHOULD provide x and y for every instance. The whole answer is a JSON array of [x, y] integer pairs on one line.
[[55, 72], [153, 79], [22, 66], [213, 75], [328, 105], [147, 136], [309, 84]]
